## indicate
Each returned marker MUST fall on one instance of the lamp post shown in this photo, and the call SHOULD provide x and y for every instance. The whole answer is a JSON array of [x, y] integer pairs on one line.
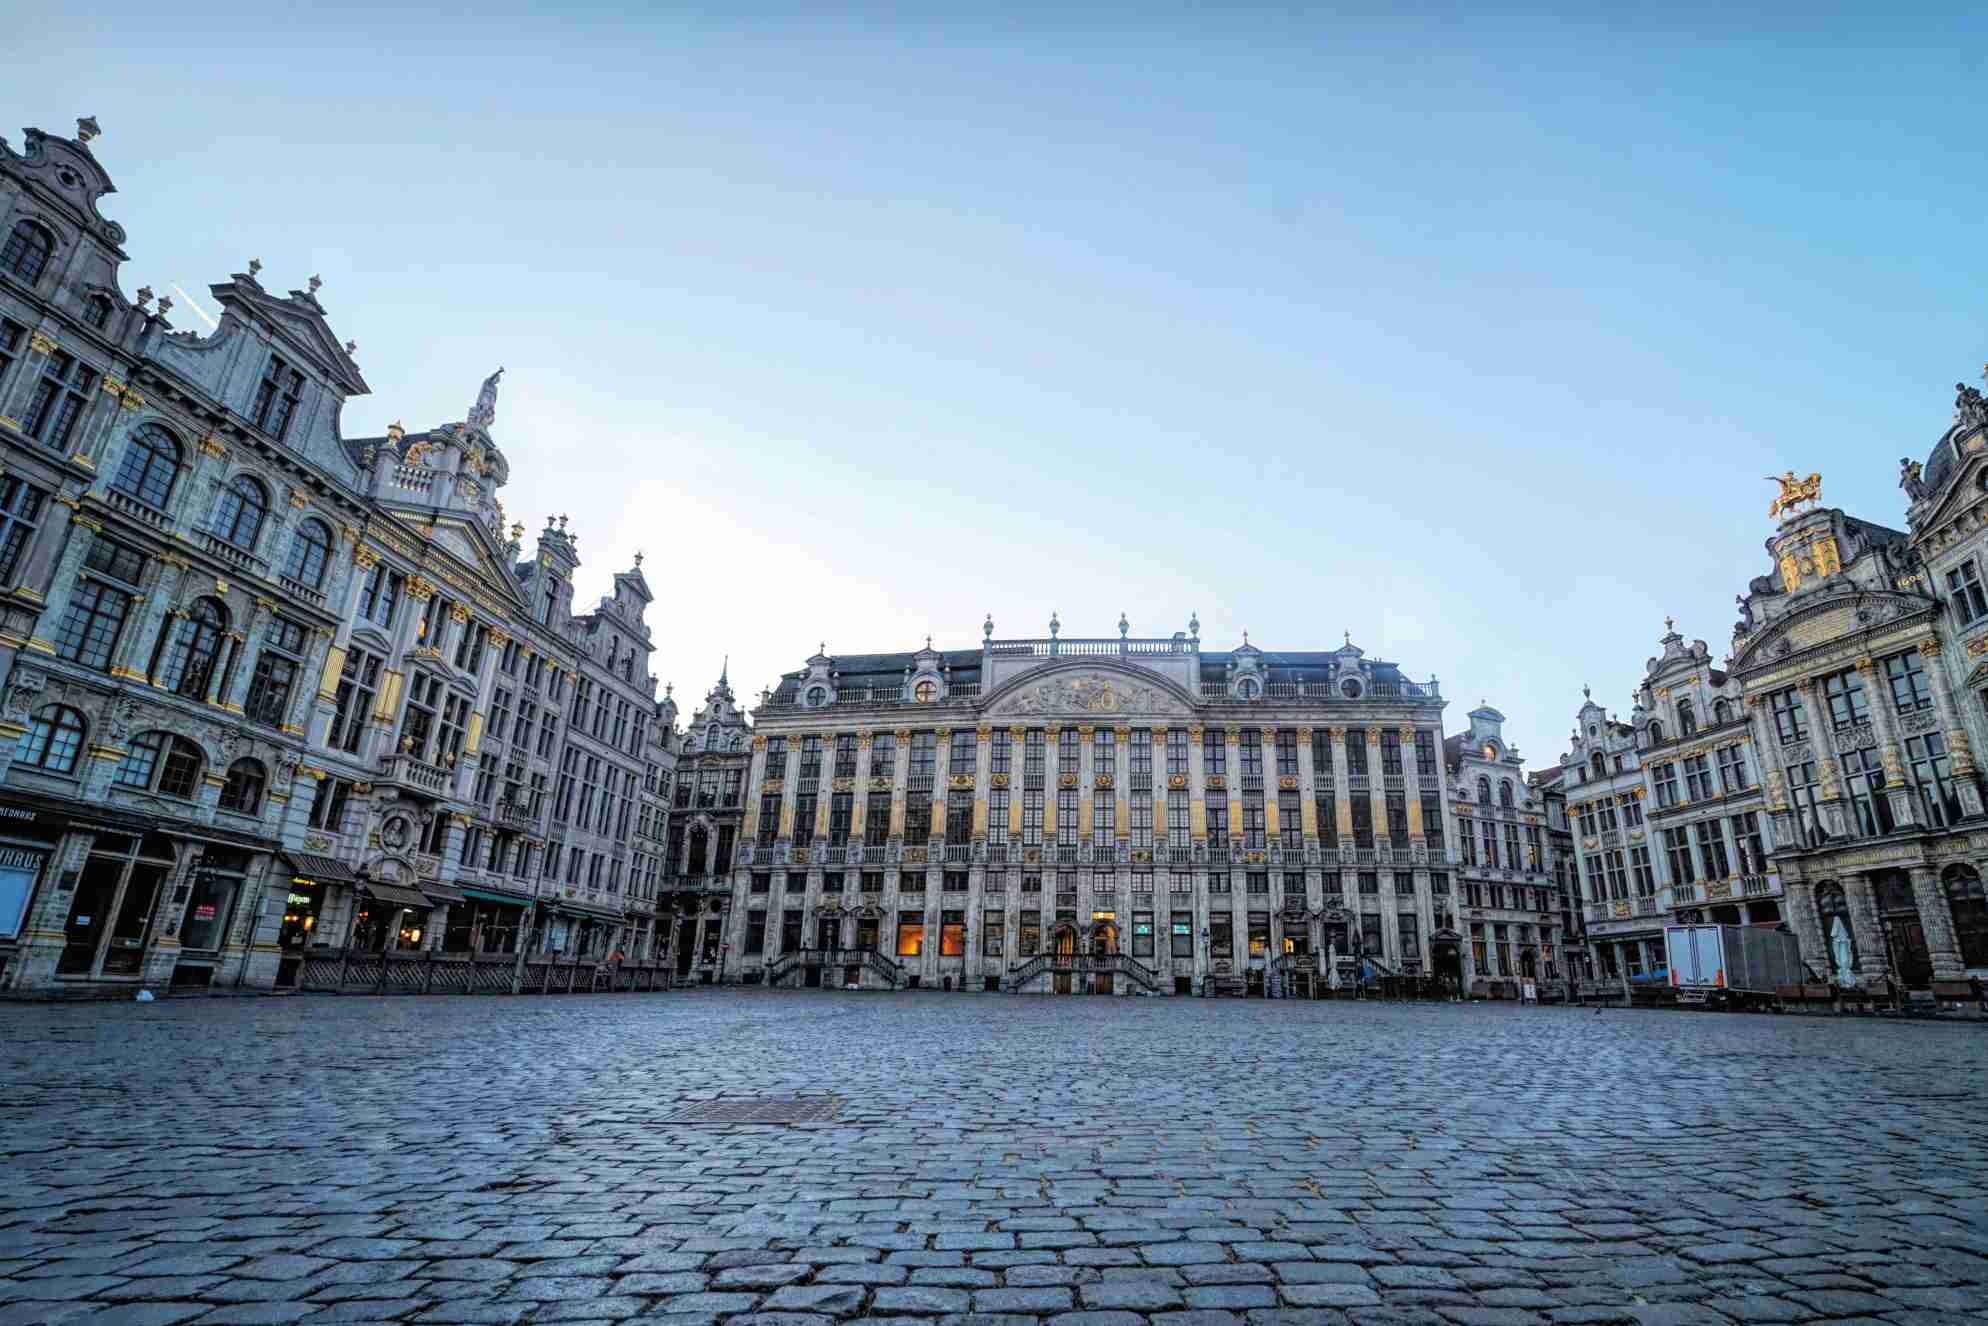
[[1207, 959]]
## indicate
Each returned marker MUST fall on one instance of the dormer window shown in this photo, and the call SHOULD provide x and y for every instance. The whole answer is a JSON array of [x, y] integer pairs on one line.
[[1350, 688], [1248, 688], [276, 399], [1687, 718], [925, 692], [818, 695], [27, 251], [97, 311]]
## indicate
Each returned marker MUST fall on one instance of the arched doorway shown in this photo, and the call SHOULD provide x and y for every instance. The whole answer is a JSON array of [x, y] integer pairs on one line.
[[1446, 958], [1104, 941], [700, 839], [1528, 964], [1062, 956], [1969, 904]]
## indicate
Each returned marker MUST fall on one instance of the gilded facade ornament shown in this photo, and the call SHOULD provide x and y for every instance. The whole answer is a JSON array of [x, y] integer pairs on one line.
[[1794, 493], [1930, 648], [1194, 734], [903, 734], [132, 400], [1217, 782], [364, 558], [1104, 780], [1287, 782], [113, 387], [458, 614], [984, 732], [419, 587], [1338, 735], [41, 343], [1066, 779], [1374, 734], [1304, 736], [1018, 734]]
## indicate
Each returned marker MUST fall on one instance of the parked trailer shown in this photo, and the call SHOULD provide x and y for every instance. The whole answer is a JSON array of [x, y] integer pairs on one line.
[[1731, 965]]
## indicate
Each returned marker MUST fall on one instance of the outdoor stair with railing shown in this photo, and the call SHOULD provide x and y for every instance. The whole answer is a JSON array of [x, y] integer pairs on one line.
[[1134, 970]]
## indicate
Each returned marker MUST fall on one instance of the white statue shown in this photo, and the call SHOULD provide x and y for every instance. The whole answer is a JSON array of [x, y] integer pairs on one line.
[[1332, 964], [1839, 948]]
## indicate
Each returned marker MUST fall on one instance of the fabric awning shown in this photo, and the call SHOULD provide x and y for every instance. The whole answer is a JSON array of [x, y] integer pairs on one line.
[[486, 895], [395, 893], [441, 892], [322, 868], [598, 913]]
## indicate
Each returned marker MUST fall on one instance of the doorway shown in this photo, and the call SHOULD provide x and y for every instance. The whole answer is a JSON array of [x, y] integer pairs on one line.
[[1104, 942], [1063, 951], [110, 918], [866, 933]]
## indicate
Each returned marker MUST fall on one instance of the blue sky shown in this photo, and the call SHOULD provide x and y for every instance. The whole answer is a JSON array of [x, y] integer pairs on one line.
[[1469, 330]]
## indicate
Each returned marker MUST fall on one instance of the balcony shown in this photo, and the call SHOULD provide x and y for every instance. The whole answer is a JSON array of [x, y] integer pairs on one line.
[[299, 589], [138, 510], [1756, 886], [406, 771], [236, 557], [512, 814]]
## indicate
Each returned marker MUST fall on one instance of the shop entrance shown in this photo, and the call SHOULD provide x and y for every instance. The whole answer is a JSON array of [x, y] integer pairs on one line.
[[110, 918]]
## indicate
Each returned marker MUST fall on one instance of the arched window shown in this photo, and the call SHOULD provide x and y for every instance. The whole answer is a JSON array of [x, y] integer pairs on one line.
[[309, 552], [150, 464], [1600, 765], [1687, 720], [1484, 791], [186, 665], [52, 740], [1655, 734], [27, 251], [926, 692], [97, 311], [1505, 794], [242, 793], [1722, 712], [1970, 914], [239, 519], [161, 762]]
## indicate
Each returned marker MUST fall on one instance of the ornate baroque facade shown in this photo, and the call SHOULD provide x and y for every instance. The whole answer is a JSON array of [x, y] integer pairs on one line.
[[274, 696], [1173, 815]]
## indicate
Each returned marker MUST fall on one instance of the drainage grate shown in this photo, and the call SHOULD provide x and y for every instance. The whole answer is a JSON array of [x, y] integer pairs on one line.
[[758, 1109]]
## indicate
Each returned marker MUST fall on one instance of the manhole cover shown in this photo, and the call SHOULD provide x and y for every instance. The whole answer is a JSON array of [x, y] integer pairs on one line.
[[758, 1109]]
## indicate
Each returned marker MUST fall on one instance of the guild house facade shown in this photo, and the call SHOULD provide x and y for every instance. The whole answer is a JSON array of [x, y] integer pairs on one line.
[[1105, 814], [279, 706]]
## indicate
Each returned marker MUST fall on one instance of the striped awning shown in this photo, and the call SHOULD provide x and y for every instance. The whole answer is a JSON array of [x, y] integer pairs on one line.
[[306, 865], [394, 893]]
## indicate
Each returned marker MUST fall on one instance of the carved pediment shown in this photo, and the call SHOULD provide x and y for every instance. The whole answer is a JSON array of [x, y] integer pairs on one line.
[[1832, 618], [1088, 689]]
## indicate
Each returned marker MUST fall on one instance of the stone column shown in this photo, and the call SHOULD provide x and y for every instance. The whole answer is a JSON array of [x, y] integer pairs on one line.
[[755, 777], [1121, 780], [1873, 961], [1272, 829], [900, 779], [1161, 829], [1342, 801], [1411, 791], [859, 803], [49, 542], [1197, 809], [141, 634], [789, 780], [1967, 776], [1307, 790], [1835, 815], [1942, 944], [1052, 777], [1232, 739], [1086, 786], [824, 790], [1377, 792], [983, 760], [1017, 783]]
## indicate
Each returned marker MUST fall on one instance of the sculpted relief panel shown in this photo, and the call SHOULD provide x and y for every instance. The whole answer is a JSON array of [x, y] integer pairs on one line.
[[1089, 693]]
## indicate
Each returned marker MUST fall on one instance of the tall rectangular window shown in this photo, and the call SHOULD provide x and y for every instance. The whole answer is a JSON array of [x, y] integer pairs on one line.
[[1844, 692], [1218, 824], [1907, 674], [959, 818], [1142, 821], [1032, 817], [1214, 752], [1363, 822], [1733, 775], [960, 754], [845, 755], [1432, 819], [1964, 593], [997, 815], [999, 756], [1287, 753], [1931, 772], [1747, 841], [1177, 826], [1397, 820], [20, 515], [924, 758], [1391, 754], [1104, 819], [1712, 849], [876, 819], [1251, 751], [59, 400], [99, 604], [1325, 808], [841, 811], [1176, 752], [1033, 755], [1863, 775], [1790, 719], [1665, 777], [1698, 777], [1141, 760], [1290, 822], [804, 817], [1425, 753], [1677, 847], [277, 397]]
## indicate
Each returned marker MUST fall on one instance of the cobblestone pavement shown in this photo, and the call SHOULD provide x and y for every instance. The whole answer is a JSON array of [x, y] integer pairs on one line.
[[995, 1161]]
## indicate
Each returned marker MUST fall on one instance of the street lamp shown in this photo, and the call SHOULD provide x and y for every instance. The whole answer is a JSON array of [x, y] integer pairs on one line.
[[1208, 959]]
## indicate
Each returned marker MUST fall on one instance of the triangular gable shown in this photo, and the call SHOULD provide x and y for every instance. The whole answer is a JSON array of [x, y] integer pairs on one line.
[[300, 321]]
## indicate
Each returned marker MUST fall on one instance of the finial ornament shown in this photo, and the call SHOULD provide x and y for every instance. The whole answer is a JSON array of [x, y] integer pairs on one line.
[[562, 522], [144, 295], [165, 305], [928, 639], [518, 532], [1586, 694], [1795, 492], [1054, 625], [987, 627], [255, 265], [314, 284], [352, 347], [1245, 635], [87, 128], [1123, 625], [1348, 635], [638, 558], [395, 432], [1194, 624], [1670, 623]]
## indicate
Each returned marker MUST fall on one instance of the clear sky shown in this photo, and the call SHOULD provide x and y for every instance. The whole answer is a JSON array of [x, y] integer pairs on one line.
[[1471, 331]]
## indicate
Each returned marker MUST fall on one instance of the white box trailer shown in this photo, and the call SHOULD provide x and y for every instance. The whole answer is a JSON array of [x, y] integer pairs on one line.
[[1730, 965]]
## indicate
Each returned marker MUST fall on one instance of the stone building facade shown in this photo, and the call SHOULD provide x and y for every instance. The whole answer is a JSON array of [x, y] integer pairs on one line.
[[1108, 814], [269, 693], [707, 818], [1508, 899]]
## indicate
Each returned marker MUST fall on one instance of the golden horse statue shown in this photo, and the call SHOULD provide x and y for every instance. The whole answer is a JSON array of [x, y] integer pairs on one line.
[[1794, 492]]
